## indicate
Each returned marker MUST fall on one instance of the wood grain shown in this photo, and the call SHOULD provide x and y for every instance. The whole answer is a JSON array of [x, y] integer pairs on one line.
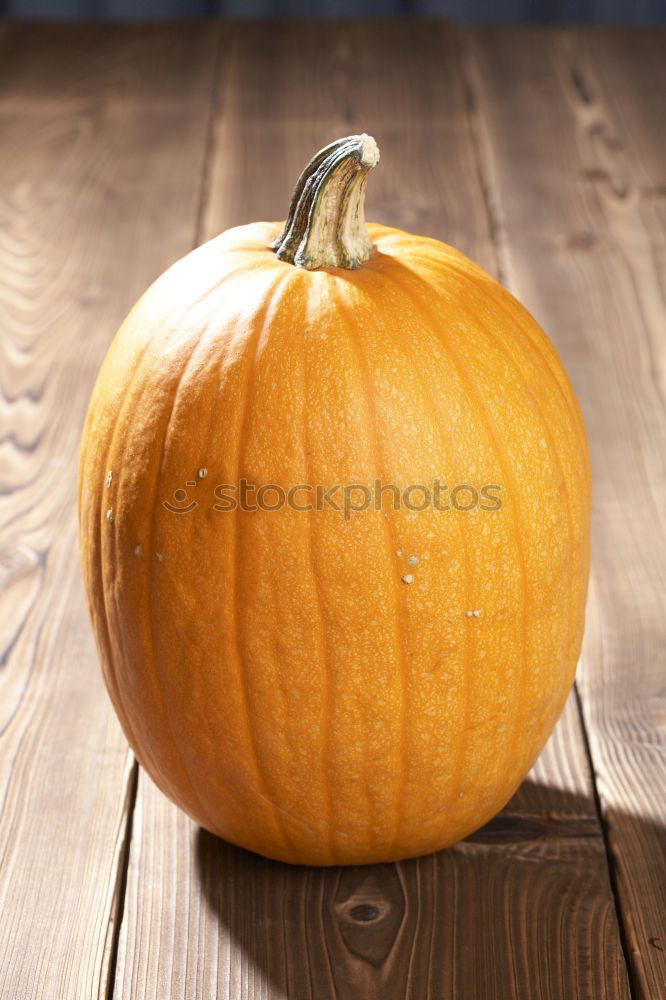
[[572, 130], [103, 134], [519, 910], [524, 909]]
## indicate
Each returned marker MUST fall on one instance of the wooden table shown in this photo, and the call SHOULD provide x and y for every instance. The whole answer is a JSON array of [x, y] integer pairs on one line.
[[539, 152]]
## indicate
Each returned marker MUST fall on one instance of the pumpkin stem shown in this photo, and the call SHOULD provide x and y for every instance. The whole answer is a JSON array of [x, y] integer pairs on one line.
[[326, 222]]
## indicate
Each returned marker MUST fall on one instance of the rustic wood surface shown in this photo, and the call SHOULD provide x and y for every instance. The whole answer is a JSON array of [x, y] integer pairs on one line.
[[539, 152]]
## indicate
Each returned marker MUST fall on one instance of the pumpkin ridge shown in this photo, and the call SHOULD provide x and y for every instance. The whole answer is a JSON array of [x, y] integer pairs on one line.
[[101, 534], [544, 426], [554, 451], [571, 406], [558, 378], [458, 770], [466, 643], [558, 461], [137, 371], [480, 279], [504, 463], [201, 347], [93, 530], [325, 738], [466, 648], [556, 456], [550, 355], [555, 367], [180, 380], [371, 407], [558, 375], [269, 304]]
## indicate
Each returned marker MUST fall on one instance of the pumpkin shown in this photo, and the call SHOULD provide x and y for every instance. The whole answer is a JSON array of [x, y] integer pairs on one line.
[[347, 663]]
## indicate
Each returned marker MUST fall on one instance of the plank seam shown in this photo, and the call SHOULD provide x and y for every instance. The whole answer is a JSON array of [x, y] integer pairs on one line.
[[610, 860], [120, 891], [475, 125], [214, 108]]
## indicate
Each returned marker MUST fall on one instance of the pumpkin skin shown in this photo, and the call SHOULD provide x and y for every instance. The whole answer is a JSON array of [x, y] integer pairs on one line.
[[276, 672]]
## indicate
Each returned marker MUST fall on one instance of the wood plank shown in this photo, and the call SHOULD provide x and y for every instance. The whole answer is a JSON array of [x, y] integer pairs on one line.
[[575, 162], [102, 140], [626, 84], [524, 908], [521, 909]]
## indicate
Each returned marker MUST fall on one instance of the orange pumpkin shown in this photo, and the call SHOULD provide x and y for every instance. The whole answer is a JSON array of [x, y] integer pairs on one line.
[[331, 685]]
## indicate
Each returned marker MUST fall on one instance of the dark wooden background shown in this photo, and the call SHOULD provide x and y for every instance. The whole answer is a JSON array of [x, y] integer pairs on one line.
[[542, 154]]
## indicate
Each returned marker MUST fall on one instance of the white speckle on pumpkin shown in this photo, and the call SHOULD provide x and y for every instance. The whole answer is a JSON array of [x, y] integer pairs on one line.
[[398, 552], [413, 561], [408, 578], [477, 613], [109, 478], [202, 473], [138, 551], [109, 514], [473, 614], [160, 556]]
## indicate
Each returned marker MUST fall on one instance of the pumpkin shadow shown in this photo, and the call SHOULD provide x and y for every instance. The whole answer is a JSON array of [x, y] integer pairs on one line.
[[522, 901]]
